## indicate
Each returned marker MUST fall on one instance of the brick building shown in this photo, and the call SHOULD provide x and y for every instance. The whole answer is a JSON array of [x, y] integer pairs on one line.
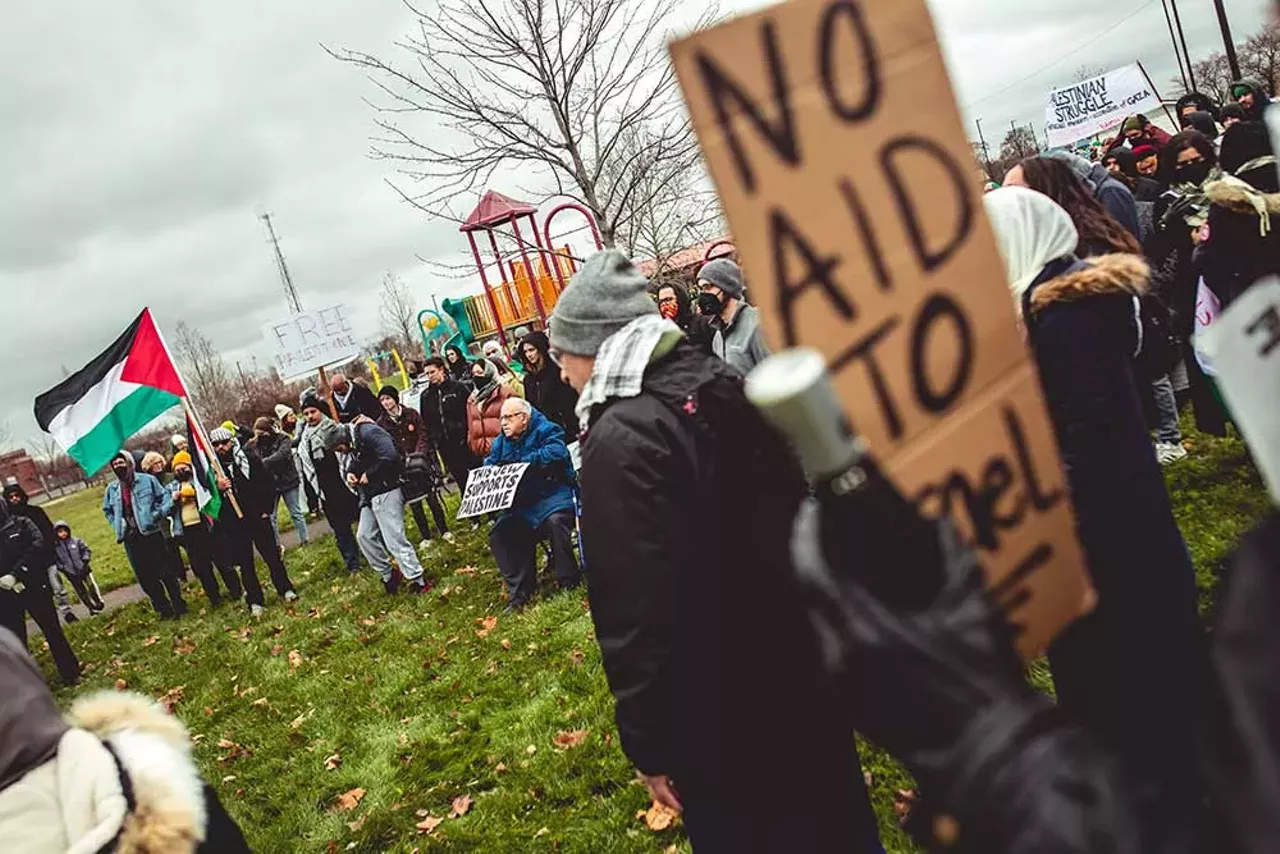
[[18, 467]]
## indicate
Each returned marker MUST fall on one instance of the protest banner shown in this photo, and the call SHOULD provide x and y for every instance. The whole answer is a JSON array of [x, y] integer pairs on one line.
[[491, 488], [304, 342], [841, 162], [1243, 344], [1098, 105]]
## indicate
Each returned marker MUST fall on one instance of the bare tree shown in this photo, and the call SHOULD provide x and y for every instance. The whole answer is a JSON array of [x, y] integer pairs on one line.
[[398, 314], [6, 436], [1260, 56], [553, 89], [205, 372], [1018, 143], [674, 206]]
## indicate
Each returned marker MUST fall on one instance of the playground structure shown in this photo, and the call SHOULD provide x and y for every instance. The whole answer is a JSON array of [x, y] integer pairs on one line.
[[531, 279]]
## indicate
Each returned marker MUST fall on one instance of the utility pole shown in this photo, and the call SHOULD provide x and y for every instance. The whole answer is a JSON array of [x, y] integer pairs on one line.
[[290, 292], [244, 381], [1227, 43], [1182, 69], [986, 155], [1182, 37]]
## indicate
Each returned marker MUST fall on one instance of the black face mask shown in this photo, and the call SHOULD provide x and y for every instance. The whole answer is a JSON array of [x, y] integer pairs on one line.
[[120, 472], [1193, 174], [710, 304], [183, 475]]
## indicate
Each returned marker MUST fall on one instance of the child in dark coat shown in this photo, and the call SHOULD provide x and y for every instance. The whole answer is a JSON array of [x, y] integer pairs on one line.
[[73, 555]]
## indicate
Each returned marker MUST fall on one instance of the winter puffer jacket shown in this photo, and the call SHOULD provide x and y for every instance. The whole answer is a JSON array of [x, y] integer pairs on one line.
[[73, 553], [1134, 673], [545, 487], [78, 800], [21, 550], [484, 423]]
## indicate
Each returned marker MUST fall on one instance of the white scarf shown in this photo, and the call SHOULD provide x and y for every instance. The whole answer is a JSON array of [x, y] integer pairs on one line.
[[1031, 230]]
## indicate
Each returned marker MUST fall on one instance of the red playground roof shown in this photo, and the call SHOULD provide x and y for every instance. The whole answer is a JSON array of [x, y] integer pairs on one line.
[[495, 208]]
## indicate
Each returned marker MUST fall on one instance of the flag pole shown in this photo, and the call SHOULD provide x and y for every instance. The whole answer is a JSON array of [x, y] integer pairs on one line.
[[196, 424], [1168, 115]]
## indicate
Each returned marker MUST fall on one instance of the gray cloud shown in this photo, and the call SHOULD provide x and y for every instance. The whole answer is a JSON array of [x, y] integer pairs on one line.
[[141, 140]]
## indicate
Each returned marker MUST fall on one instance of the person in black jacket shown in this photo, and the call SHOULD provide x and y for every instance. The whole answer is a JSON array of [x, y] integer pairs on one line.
[[20, 505], [1135, 673], [324, 475], [687, 503], [421, 482], [353, 400], [444, 414], [544, 388], [24, 588], [276, 449], [374, 468], [246, 479], [456, 363]]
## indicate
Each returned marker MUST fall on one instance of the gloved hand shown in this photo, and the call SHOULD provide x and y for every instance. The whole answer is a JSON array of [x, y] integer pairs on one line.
[[941, 687], [11, 583]]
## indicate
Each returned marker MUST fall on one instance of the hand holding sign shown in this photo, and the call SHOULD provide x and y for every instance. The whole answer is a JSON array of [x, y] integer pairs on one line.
[[491, 488], [841, 163]]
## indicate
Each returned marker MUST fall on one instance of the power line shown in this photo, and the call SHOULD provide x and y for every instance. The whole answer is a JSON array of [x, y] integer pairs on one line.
[[1024, 77]]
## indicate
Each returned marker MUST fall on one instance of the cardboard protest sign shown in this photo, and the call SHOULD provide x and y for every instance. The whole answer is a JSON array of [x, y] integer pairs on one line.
[[841, 162], [491, 488], [1098, 105], [303, 342], [1244, 344]]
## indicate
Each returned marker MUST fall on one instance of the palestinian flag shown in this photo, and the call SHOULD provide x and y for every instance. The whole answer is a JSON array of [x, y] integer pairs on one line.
[[208, 498], [94, 411]]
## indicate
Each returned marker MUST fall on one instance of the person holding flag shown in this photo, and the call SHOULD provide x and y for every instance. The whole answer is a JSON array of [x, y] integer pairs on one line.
[[192, 500], [244, 519]]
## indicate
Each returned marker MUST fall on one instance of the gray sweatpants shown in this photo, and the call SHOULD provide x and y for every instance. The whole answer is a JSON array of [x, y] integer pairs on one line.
[[381, 531], [60, 596]]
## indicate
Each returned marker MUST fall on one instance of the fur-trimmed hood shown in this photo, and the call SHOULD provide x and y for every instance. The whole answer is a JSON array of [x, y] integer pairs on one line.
[[1241, 197], [77, 801], [1105, 274]]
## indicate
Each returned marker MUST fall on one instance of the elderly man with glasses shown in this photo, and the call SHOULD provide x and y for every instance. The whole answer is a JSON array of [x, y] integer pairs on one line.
[[543, 507]]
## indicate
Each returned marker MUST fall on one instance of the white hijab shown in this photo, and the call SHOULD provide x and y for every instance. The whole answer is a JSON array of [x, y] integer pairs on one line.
[[1031, 230]]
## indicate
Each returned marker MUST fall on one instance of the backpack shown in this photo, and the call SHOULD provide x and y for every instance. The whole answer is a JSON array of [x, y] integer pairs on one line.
[[1158, 345]]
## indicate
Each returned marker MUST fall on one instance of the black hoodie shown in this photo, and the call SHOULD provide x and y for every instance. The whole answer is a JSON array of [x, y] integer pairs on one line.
[[460, 370], [20, 548], [1261, 100], [26, 509], [546, 390], [1202, 103]]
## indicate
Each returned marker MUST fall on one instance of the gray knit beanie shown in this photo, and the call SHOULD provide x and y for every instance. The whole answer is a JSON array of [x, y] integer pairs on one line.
[[602, 297], [725, 275]]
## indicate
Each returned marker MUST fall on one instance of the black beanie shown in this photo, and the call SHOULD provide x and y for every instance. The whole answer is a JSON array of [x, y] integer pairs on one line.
[[310, 399], [391, 392]]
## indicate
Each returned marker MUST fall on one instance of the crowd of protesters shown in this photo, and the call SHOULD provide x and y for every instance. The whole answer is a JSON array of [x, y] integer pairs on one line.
[[685, 498]]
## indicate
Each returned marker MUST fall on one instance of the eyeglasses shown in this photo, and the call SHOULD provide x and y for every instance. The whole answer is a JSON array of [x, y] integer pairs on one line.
[[512, 417]]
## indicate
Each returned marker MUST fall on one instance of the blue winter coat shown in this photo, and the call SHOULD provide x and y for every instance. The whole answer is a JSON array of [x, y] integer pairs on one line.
[[152, 504], [1134, 673], [546, 486]]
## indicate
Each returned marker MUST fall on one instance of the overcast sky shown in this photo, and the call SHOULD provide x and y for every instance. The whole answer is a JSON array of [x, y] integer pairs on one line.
[[141, 140]]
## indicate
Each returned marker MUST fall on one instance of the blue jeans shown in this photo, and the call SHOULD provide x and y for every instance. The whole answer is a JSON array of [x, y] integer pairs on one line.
[[292, 500], [1167, 431], [347, 546]]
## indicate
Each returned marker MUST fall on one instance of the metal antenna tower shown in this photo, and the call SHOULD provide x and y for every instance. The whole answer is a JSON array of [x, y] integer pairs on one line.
[[290, 292]]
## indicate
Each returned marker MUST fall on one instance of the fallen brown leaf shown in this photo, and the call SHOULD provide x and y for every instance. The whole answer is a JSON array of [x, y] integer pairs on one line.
[[171, 698], [349, 800], [260, 702], [422, 813], [578, 657], [276, 649], [466, 570], [428, 824], [358, 823], [658, 817], [151, 641], [332, 762], [506, 644], [461, 805], [566, 739], [121, 685], [295, 659], [184, 647], [500, 767], [487, 625]]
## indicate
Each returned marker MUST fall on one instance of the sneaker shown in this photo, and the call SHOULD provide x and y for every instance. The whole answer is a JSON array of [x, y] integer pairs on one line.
[[420, 585], [515, 606], [1169, 452], [256, 611], [290, 596], [391, 585], [449, 538], [69, 617]]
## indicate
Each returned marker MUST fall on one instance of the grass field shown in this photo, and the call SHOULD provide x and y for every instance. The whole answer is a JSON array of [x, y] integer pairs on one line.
[[414, 703]]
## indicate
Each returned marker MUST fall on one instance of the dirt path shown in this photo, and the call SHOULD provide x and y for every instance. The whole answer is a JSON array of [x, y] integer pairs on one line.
[[131, 593]]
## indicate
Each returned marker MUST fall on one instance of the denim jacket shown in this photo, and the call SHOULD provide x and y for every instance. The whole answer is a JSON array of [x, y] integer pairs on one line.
[[152, 504]]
